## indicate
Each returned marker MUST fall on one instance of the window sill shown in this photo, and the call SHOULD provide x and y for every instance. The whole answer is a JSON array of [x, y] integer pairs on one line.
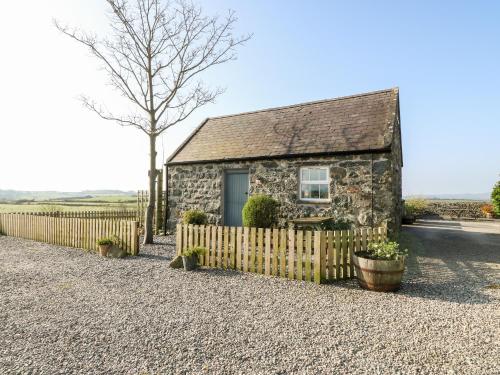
[[315, 202]]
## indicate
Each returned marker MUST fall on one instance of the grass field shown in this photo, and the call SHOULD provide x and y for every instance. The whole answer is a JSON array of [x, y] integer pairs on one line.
[[95, 203]]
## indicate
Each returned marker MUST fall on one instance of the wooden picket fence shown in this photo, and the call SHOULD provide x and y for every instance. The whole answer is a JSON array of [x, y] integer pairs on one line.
[[317, 256], [110, 215], [142, 203], [72, 232]]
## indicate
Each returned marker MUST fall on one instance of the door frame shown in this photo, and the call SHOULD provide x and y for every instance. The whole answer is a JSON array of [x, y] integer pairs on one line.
[[224, 178]]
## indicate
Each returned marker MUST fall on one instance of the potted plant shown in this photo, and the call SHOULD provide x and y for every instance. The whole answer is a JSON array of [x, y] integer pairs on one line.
[[105, 244], [380, 267], [190, 257], [487, 210]]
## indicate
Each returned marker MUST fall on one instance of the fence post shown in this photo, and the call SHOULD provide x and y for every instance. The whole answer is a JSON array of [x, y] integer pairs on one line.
[[319, 255], [135, 238], [159, 201]]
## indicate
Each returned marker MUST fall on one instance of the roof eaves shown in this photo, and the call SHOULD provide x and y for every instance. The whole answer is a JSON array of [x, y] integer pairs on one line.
[[186, 141], [284, 156]]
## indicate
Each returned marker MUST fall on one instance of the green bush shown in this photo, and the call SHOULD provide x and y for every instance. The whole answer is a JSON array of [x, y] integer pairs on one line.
[[384, 250], [260, 211], [194, 251], [195, 217], [495, 198], [105, 241], [416, 206]]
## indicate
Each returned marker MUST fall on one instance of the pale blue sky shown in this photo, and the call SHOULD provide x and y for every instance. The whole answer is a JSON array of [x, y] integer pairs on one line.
[[444, 56]]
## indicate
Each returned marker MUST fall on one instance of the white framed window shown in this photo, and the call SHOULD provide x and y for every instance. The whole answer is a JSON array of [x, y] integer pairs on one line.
[[315, 184]]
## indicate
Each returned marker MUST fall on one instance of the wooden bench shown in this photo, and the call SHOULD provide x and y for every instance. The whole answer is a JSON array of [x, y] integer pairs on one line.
[[315, 223]]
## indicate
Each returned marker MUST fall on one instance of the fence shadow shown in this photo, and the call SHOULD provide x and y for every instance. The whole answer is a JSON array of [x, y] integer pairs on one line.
[[450, 291], [451, 266]]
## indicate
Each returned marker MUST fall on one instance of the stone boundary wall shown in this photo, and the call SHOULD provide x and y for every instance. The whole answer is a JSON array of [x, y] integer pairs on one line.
[[454, 209]]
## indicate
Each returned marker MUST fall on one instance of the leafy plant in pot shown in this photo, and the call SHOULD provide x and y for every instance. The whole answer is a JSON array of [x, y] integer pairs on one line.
[[190, 257], [381, 266], [104, 244], [487, 210]]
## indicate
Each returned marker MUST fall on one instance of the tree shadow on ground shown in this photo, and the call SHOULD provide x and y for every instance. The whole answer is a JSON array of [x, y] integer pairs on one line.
[[451, 266], [166, 257]]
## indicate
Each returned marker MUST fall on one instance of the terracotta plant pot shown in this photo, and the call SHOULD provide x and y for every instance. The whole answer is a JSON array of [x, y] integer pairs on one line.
[[103, 250], [190, 263], [379, 275]]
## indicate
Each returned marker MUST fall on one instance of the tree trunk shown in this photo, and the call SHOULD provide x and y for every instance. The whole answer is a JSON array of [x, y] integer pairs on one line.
[[150, 210]]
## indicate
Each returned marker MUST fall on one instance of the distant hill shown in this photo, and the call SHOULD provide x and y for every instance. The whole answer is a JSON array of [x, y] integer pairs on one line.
[[14, 195], [469, 196], [107, 192]]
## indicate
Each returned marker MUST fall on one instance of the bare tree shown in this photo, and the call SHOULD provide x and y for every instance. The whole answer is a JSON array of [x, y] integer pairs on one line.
[[154, 58]]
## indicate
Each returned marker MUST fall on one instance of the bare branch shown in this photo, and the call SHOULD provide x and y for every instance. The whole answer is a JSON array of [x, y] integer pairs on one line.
[[154, 57], [134, 121]]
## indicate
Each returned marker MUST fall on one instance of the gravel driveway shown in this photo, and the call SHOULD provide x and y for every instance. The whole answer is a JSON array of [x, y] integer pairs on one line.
[[69, 311]]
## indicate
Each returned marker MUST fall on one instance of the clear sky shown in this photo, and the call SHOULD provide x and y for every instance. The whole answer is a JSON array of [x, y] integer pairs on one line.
[[444, 56]]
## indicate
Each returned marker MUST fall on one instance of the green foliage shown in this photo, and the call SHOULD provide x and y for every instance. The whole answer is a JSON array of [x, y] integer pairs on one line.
[[385, 250], [195, 217], [416, 206], [105, 241], [495, 198], [340, 224], [260, 211], [194, 251]]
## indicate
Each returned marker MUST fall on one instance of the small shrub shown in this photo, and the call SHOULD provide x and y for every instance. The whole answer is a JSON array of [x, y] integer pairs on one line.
[[105, 241], [416, 206], [260, 211], [487, 209], [194, 251], [495, 198], [195, 217], [384, 251]]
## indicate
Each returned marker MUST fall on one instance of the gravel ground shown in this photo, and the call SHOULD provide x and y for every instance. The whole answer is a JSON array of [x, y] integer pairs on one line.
[[69, 311]]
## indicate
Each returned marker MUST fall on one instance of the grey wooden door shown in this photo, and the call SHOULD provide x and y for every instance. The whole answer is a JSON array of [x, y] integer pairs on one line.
[[235, 196]]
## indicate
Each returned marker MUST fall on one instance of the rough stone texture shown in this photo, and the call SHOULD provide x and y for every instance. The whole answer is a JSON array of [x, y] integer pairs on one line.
[[454, 209], [176, 263], [362, 188]]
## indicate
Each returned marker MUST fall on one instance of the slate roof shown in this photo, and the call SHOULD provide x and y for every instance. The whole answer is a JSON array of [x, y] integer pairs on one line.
[[356, 123]]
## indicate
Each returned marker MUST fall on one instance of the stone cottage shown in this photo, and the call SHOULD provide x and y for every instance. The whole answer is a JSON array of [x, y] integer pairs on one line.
[[338, 157]]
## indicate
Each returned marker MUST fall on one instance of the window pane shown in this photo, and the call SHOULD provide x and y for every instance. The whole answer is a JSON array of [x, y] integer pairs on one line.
[[305, 174], [305, 191], [322, 174], [315, 191], [314, 174], [323, 191]]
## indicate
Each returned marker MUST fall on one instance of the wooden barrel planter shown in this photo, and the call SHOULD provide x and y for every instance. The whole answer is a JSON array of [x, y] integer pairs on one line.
[[379, 275]]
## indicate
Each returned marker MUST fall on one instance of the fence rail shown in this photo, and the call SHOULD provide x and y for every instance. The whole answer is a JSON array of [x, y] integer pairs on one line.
[[72, 232], [294, 254], [112, 214], [142, 203]]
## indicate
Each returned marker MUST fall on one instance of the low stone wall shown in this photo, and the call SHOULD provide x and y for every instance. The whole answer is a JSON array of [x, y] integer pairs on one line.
[[454, 209]]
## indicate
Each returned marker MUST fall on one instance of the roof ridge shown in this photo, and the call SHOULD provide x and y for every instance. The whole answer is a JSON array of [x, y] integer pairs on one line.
[[393, 89]]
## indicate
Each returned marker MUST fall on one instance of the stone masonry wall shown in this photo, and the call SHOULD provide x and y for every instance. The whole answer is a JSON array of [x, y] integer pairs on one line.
[[361, 188]]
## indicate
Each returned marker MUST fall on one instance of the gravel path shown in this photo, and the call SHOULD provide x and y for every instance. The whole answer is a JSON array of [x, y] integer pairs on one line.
[[69, 311]]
